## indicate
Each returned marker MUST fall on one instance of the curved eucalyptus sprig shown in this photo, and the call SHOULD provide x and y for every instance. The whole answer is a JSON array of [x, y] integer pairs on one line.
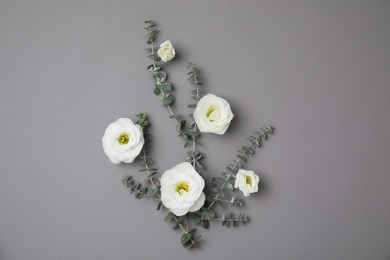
[[152, 32], [162, 88], [222, 186], [146, 162], [128, 180], [193, 74], [134, 186], [232, 220], [193, 132], [188, 239]]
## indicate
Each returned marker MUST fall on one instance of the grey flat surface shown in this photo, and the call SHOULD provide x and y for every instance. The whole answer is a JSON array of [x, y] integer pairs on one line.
[[319, 71]]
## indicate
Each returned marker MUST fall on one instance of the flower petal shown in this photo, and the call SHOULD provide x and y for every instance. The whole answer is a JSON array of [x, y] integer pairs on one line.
[[198, 203]]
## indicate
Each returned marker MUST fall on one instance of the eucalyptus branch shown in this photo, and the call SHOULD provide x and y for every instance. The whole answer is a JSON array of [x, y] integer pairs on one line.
[[162, 88], [188, 239], [134, 186], [222, 186], [144, 123], [151, 38], [195, 134], [232, 220], [128, 180]]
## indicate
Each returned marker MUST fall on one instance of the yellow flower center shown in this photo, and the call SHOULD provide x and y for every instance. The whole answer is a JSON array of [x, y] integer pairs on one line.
[[213, 113], [182, 188], [248, 180], [124, 138]]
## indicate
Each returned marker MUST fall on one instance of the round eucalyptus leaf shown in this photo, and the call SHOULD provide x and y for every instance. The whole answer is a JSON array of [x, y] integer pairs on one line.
[[160, 76], [153, 68]]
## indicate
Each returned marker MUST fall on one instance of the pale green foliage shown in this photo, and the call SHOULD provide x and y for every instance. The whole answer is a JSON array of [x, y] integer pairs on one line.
[[221, 187], [134, 186], [232, 220], [129, 182]]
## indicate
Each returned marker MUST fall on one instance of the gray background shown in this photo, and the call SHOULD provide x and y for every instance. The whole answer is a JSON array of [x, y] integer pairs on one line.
[[317, 70]]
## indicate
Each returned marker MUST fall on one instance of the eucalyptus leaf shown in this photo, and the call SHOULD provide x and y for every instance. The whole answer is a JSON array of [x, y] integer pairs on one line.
[[159, 205], [185, 238], [229, 186], [166, 87], [188, 244], [207, 213], [168, 217], [151, 192]]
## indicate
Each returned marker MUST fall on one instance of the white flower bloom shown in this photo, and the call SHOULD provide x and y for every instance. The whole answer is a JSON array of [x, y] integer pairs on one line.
[[166, 51], [123, 141], [213, 114], [247, 182], [182, 189]]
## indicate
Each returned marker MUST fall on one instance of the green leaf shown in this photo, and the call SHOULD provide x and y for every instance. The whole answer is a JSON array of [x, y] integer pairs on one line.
[[222, 192], [205, 224], [151, 192], [207, 213], [159, 205], [151, 40], [152, 32], [168, 217], [157, 91], [126, 180], [229, 186], [257, 142], [242, 158], [188, 244], [166, 86], [153, 68], [193, 217], [168, 100], [152, 173], [193, 153], [185, 238], [192, 231], [200, 166]]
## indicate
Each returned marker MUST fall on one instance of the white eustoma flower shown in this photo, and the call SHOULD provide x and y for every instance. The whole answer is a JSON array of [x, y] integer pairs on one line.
[[213, 114], [247, 182], [182, 189], [166, 51], [123, 141]]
